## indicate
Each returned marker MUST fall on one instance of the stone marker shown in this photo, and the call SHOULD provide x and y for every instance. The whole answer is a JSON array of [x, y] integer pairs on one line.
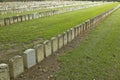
[[73, 33], [11, 20], [29, 58], [2, 22], [16, 66], [4, 72], [23, 18], [60, 41], [7, 21], [78, 31], [54, 44], [69, 35], [39, 49], [65, 38], [15, 20], [48, 48]]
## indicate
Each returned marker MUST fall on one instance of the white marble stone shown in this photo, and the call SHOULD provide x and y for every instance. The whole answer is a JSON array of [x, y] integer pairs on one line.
[[29, 58], [4, 72]]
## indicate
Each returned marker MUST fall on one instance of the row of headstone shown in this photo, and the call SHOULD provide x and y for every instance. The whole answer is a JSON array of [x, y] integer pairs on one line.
[[31, 57], [21, 18], [18, 7]]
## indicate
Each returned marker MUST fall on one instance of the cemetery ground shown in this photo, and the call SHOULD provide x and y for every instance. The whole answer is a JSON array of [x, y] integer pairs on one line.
[[93, 55], [15, 38], [36, 11]]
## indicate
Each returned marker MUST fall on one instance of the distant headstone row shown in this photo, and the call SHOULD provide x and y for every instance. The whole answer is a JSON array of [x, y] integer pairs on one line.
[[17, 7], [21, 18], [31, 57]]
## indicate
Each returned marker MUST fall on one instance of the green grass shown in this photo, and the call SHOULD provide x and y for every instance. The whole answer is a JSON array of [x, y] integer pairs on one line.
[[97, 58], [29, 31], [34, 11]]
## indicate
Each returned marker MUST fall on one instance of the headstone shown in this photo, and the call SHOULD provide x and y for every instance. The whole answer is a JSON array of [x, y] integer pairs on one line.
[[39, 49], [54, 44], [11, 20], [60, 41], [83, 27], [29, 58], [16, 66], [88, 24], [19, 18], [27, 17], [15, 19], [73, 33], [78, 31], [4, 72], [2, 22], [7, 21], [23, 18], [48, 48], [69, 35], [65, 38]]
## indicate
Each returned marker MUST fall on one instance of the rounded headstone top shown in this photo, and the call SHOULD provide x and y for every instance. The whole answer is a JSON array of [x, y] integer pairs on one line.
[[14, 58], [3, 65], [29, 50]]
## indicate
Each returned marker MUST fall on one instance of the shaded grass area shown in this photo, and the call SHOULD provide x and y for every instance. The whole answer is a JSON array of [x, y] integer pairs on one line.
[[97, 58], [45, 28]]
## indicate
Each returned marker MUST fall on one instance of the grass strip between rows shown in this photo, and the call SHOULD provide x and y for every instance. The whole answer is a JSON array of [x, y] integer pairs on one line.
[[97, 58]]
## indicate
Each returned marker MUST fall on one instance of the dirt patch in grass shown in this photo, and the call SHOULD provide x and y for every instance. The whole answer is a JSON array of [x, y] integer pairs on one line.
[[48, 67]]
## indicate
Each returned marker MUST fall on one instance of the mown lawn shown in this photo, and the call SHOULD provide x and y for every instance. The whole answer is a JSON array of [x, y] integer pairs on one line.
[[98, 57], [45, 28]]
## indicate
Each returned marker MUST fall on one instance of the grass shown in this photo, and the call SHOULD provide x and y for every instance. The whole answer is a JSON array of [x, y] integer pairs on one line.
[[35, 11], [98, 56], [29, 31]]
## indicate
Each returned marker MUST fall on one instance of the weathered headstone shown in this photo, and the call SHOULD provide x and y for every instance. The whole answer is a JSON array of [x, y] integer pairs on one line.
[[27, 17], [73, 33], [54, 44], [15, 19], [29, 58], [11, 20], [48, 48], [60, 41], [4, 72], [19, 18], [69, 35], [65, 38], [23, 18], [7, 21], [2, 22], [39, 49], [16, 66]]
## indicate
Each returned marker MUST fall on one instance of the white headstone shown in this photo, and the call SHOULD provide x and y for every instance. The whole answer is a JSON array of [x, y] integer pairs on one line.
[[4, 72], [29, 58]]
